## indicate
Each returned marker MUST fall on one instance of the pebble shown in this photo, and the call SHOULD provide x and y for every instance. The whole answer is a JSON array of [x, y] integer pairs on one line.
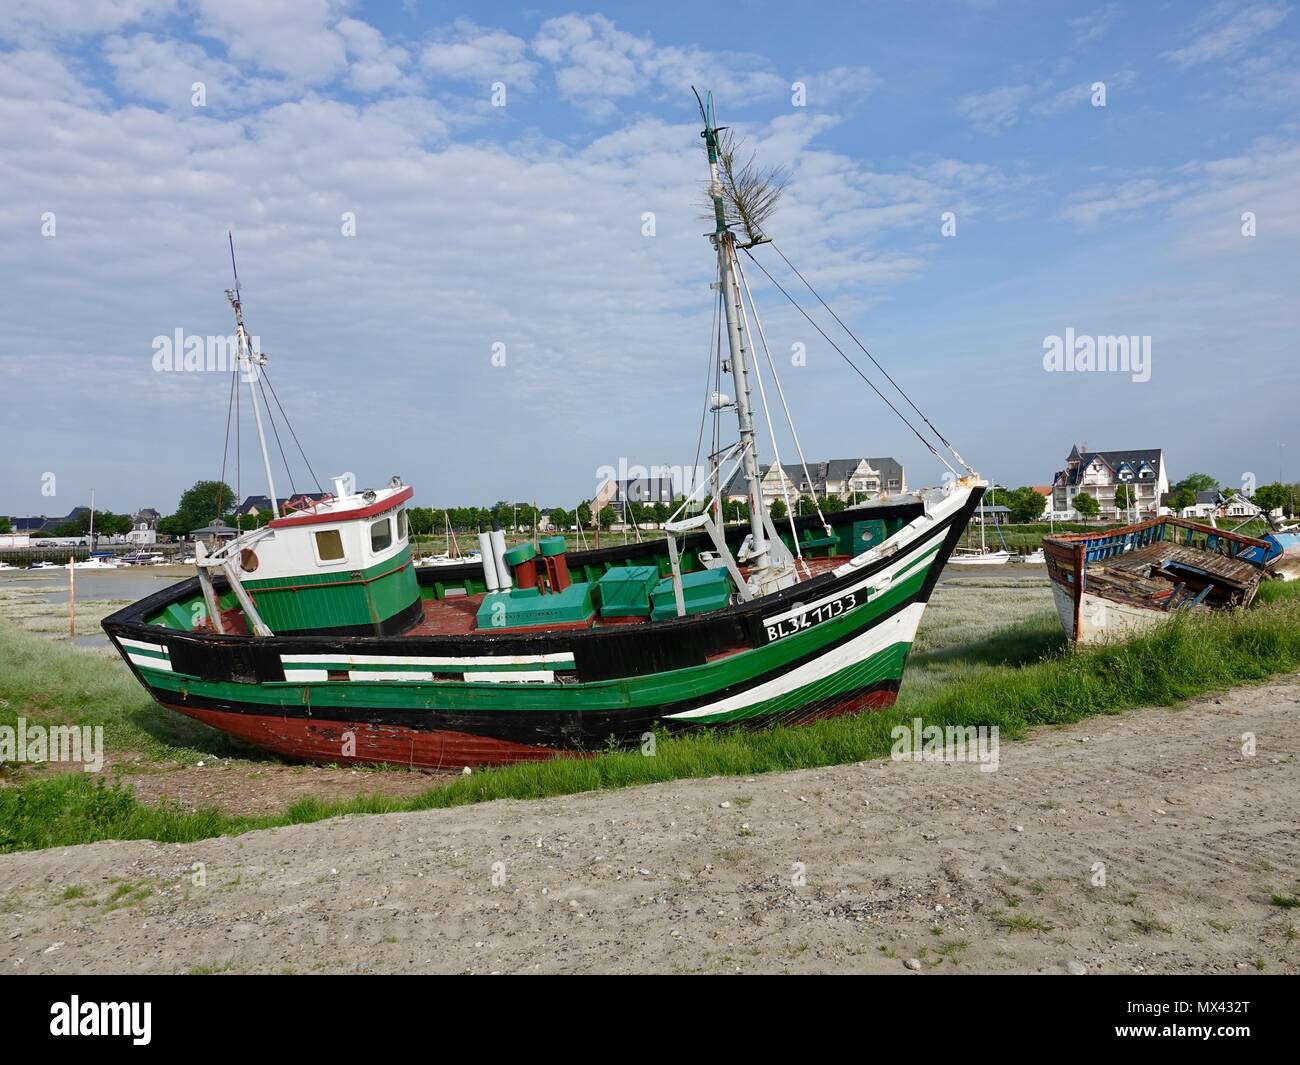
[[1020, 828], [725, 805], [1076, 968], [912, 964]]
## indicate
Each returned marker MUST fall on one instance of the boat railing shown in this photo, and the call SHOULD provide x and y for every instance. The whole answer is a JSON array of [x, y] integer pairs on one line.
[[1176, 531]]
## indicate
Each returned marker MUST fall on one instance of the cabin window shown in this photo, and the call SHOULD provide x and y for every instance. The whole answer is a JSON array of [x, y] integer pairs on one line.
[[401, 524], [381, 535], [329, 545]]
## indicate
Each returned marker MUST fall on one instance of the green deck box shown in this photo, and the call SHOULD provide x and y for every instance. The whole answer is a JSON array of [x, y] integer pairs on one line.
[[707, 589], [527, 606], [625, 591]]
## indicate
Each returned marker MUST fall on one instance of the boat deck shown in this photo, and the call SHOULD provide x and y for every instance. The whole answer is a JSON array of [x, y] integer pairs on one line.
[[1157, 573], [456, 614], [1160, 556]]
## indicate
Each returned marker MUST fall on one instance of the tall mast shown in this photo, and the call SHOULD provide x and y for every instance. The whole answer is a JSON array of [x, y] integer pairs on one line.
[[724, 242], [248, 359]]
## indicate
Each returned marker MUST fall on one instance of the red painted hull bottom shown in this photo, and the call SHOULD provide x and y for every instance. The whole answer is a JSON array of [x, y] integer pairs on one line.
[[319, 740]]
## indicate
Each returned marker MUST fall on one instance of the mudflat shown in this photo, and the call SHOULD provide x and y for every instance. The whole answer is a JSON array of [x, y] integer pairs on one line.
[[1153, 841]]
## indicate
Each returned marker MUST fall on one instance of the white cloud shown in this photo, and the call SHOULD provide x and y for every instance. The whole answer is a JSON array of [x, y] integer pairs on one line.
[[1231, 29], [995, 110], [375, 64], [296, 39], [536, 244], [38, 74], [596, 66], [76, 18], [163, 70], [1101, 203], [1206, 199], [1093, 26], [465, 51]]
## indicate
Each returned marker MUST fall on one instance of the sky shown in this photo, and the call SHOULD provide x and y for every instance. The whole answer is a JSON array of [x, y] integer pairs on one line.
[[471, 240]]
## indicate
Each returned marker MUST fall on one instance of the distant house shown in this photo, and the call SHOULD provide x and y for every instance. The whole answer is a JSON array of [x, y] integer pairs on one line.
[[30, 525], [144, 527], [1100, 473], [853, 480], [993, 514], [214, 532], [255, 505], [1214, 504], [642, 490]]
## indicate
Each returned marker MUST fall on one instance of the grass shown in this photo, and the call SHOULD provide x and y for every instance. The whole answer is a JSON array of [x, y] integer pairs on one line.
[[51, 683], [1020, 922], [1186, 658]]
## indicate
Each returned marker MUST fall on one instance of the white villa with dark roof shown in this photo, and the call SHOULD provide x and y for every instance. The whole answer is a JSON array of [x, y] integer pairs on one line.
[[853, 480], [1100, 473]]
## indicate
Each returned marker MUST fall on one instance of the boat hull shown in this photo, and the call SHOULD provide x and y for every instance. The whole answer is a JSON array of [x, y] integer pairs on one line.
[[1125, 581], [833, 645], [1098, 620]]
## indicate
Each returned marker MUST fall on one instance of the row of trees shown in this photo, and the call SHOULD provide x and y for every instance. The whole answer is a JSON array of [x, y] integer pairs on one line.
[[205, 500], [1266, 496], [106, 524]]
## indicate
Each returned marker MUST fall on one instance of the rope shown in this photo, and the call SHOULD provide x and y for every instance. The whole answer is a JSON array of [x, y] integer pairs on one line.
[[704, 414], [289, 425], [942, 439], [785, 406], [767, 414], [225, 447], [852, 365], [270, 417]]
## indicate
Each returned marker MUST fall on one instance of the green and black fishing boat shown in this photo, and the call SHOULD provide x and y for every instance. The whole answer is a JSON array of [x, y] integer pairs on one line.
[[317, 637]]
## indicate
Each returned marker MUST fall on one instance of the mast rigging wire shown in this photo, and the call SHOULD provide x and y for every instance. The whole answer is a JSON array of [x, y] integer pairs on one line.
[[854, 366], [289, 425], [942, 439], [767, 414], [225, 446], [789, 420]]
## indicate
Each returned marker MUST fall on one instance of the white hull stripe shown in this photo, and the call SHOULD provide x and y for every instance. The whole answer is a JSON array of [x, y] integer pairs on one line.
[[560, 659], [146, 662], [539, 676], [496, 676], [156, 648], [901, 628]]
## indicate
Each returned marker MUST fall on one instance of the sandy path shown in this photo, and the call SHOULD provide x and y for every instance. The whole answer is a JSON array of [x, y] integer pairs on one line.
[[1195, 838]]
